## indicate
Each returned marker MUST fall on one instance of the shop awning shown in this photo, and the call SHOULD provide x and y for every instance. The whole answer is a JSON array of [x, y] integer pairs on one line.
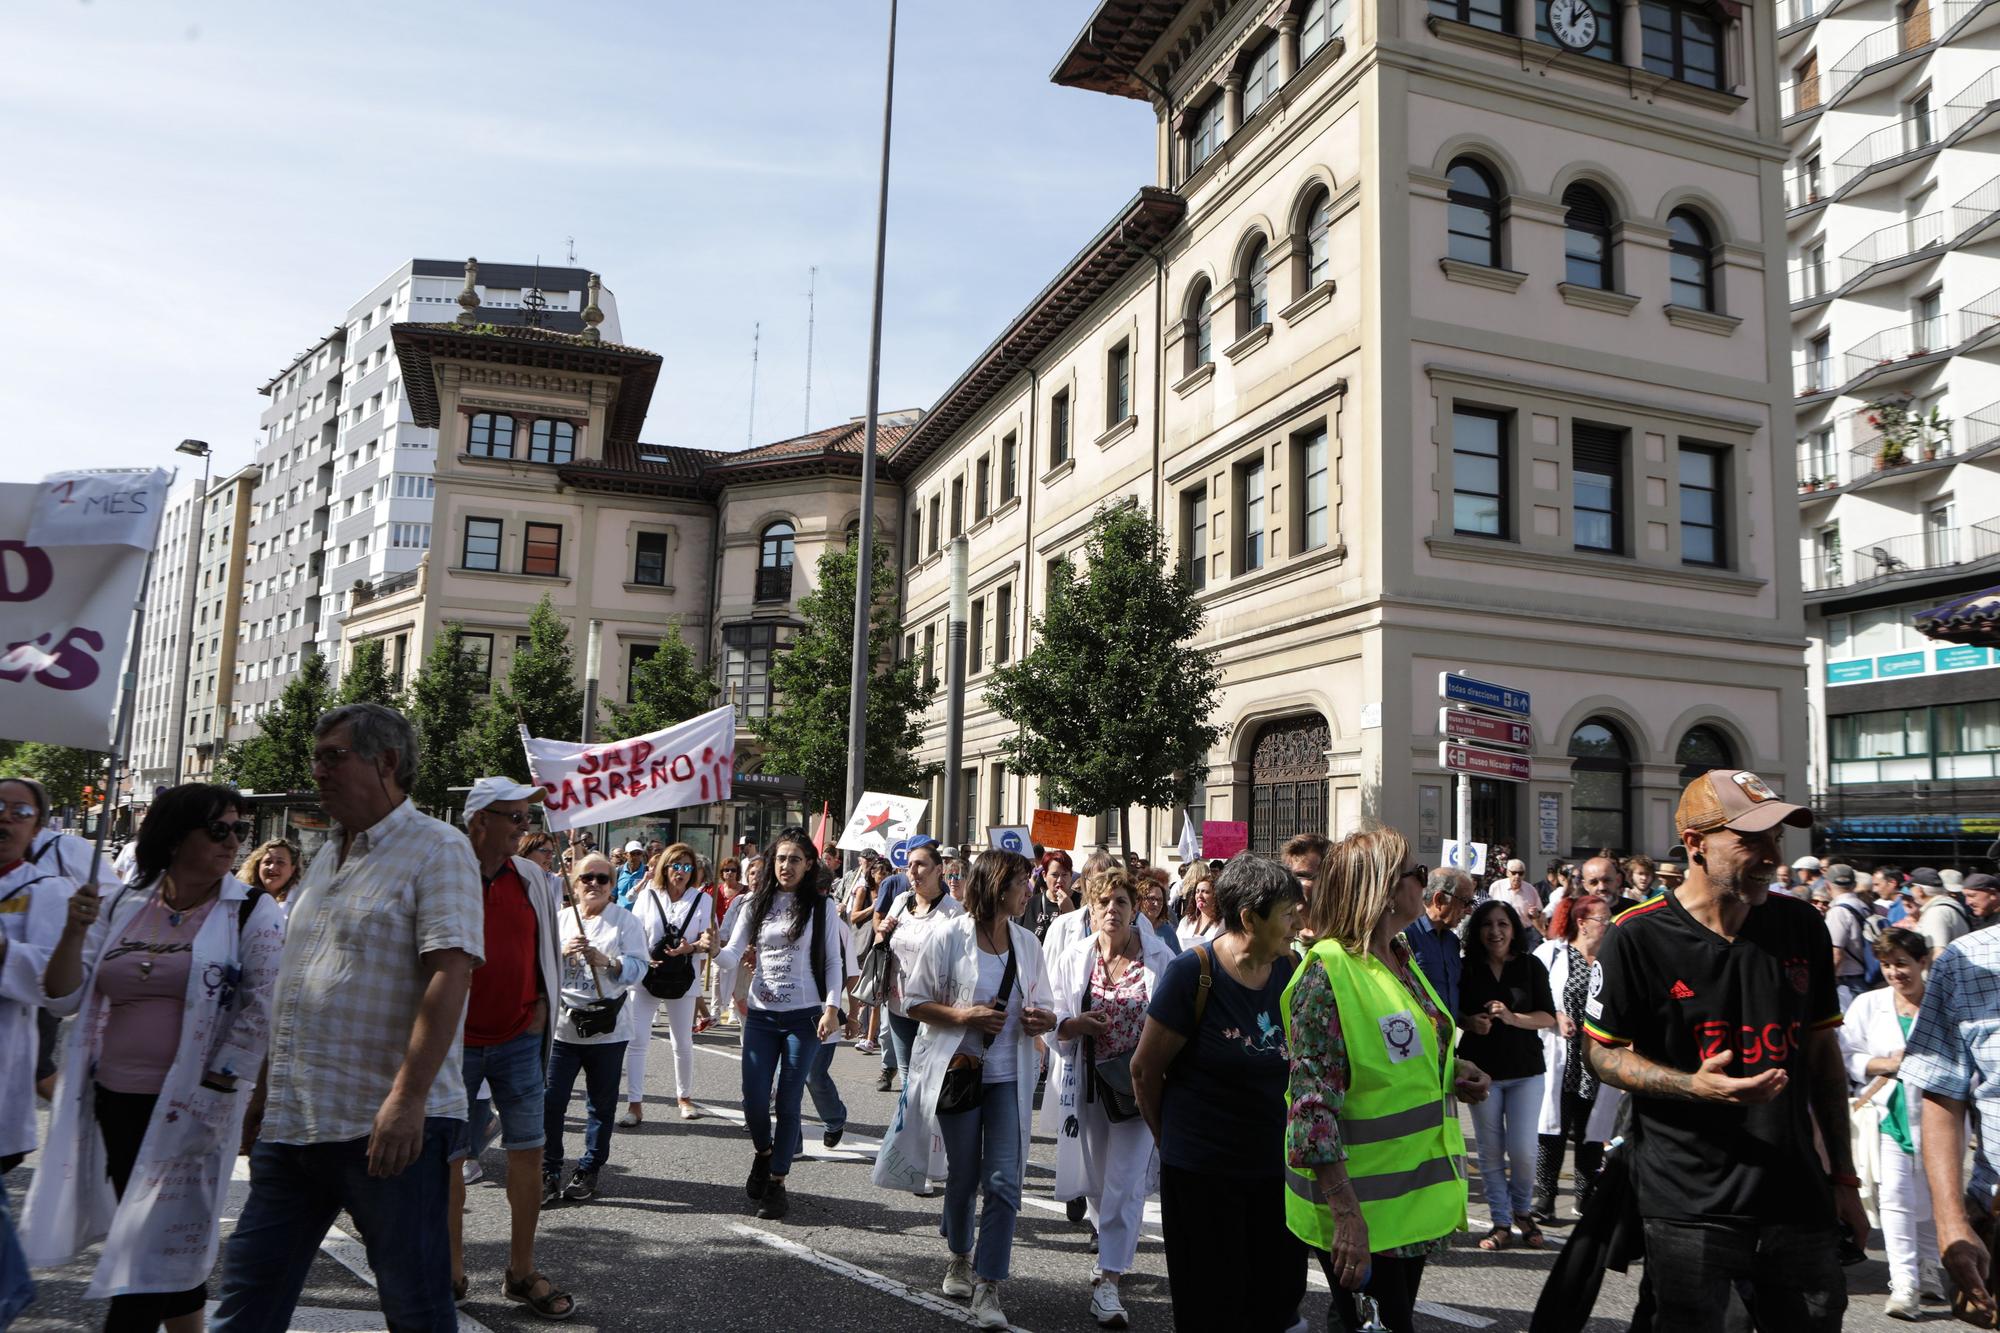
[[1971, 620]]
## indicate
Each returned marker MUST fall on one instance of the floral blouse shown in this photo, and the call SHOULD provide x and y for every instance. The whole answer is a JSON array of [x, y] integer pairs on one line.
[[1320, 1074], [1123, 1002]]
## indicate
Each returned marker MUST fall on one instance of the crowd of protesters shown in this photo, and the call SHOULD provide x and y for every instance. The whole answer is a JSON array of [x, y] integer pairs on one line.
[[1274, 1048]]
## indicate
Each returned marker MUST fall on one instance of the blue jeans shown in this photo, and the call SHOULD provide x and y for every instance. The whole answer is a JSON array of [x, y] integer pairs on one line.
[[520, 1082], [825, 1094], [902, 1036], [603, 1064], [1504, 1125], [17, 1290], [983, 1148], [296, 1191], [778, 1046]]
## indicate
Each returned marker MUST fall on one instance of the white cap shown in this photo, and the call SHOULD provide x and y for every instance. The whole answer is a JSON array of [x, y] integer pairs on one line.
[[1806, 863], [635, 846], [488, 790], [1954, 880]]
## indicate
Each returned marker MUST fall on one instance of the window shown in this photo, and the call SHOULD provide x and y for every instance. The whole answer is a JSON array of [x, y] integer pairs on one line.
[[968, 806], [1928, 311], [1204, 133], [1319, 239], [957, 505], [746, 667], [1472, 215], [996, 786], [410, 536], [1889, 745], [1493, 15], [1479, 467], [478, 649], [1917, 113], [982, 487], [1690, 262], [775, 550], [541, 552], [1198, 328], [552, 442], [930, 656], [1003, 624], [976, 637], [1604, 46], [1118, 385], [1701, 749], [1318, 25], [1597, 487], [1255, 281], [937, 521], [1058, 431], [640, 654], [1819, 363], [1702, 535], [1250, 508], [1586, 238], [916, 533], [1310, 465], [1010, 459], [490, 437], [1600, 775], [1682, 42], [482, 544], [649, 559], [1260, 76]]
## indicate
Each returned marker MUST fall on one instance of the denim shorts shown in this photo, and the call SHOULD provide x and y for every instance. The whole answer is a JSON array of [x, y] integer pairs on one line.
[[519, 1083]]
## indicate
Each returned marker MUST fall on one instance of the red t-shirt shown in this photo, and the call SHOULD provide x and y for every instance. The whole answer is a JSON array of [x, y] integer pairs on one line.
[[507, 987]]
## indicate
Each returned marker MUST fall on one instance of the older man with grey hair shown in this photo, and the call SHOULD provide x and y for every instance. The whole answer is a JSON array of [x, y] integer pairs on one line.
[[1448, 896], [366, 1092]]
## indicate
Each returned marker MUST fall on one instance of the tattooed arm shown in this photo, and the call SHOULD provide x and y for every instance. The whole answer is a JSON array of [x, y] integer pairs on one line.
[[1623, 1067]]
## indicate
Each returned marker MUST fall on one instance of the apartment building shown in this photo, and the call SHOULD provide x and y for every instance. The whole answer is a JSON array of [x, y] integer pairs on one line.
[[154, 749], [1893, 211], [217, 580]]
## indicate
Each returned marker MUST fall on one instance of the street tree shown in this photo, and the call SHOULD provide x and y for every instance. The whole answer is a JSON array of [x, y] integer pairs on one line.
[[1113, 700], [63, 770], [445, 703], [279, 757], [540, 692], [806, 734], [366, 680], [668, 687]]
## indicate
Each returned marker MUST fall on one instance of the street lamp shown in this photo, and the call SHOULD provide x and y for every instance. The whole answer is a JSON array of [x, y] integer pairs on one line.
[[194, 449]]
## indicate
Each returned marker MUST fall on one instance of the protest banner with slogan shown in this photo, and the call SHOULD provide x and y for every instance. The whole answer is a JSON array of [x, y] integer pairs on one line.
[[1223, 838], [689, 763], [72, 556], [1053, 828], [1011, 838], [879, 821]]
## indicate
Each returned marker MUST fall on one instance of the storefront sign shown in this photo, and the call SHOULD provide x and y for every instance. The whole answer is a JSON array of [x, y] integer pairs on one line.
[[1900, 664], [1917, 663]]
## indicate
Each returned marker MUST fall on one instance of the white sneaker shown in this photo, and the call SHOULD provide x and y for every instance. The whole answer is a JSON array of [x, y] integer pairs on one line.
[[470, 1171], [1902, 1305], [986, 1305], [1105, 1307], [957, 1282], [626, 1120]]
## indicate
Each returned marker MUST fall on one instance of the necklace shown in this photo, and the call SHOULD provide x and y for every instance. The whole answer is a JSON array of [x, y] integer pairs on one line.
[[173, 918]]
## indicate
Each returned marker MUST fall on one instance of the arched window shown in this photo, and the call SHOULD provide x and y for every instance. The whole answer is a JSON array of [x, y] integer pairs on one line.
[[853, 531], [1586, 238], [1690, 262], [1256, 280], [774, 548], [1200, 332], [491, 436], [1319, 23], [1600, 812], [1472, 214], [551, 442], [1316, 219], [1700, 750]]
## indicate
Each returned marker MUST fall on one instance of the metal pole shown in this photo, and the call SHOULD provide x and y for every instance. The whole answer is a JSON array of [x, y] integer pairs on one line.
[[179, 736], [954, 695], [122, 724]]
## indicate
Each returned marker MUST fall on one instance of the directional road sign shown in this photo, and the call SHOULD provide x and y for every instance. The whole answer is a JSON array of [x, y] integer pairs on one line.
[[1463, 726], [1482, 762], [1456, 689]]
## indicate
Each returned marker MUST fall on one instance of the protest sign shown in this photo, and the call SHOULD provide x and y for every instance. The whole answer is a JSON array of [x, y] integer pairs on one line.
[[689, 763], [1011, 838], [879, 821], [1223, 838], [1053, 828]]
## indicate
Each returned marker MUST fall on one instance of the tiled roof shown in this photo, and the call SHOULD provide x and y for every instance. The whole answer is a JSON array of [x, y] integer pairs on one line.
[[846, 438], [534, 349], [645, 468], [1971, 620]]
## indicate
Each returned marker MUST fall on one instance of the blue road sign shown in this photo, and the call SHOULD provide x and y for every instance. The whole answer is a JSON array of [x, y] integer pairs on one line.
[[1457, 689]]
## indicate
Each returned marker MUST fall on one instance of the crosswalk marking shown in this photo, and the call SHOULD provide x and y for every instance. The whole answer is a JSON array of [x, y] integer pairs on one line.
[[937, 1304]]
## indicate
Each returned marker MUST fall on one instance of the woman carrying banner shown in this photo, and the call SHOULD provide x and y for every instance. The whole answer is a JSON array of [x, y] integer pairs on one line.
[[677, 918]]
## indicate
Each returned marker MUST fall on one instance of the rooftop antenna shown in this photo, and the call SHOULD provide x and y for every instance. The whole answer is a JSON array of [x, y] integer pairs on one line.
[[756, 333], [572, 248], [812, 281], [533, 303]]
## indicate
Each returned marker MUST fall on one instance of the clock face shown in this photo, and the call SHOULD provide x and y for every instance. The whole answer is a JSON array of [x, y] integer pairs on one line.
[[1574, 23]]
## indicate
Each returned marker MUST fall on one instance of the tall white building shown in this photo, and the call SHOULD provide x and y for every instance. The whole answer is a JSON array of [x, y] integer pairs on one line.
[[153, 751], [1893, 211]]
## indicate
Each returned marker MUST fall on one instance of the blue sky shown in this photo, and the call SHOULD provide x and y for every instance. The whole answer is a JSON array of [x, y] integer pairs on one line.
[[194, 192]]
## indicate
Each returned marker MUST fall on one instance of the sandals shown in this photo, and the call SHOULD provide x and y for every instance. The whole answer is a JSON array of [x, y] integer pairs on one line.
[[1499, 1238], [552, 1304], [1531, 1235], [461, 1290]]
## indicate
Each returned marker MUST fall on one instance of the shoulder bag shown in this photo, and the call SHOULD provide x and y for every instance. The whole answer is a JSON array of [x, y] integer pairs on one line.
[[1110, 1081], [668, 978], [965, 1078], [878, 967], [599, 1018]]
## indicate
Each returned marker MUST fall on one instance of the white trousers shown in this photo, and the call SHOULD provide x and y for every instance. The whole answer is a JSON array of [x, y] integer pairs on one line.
[[1909, 1235], [1120, 1154], [680, 1031]]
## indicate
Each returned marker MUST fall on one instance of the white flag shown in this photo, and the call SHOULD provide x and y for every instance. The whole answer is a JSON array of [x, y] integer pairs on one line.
[[689, 763], [1190, 846]]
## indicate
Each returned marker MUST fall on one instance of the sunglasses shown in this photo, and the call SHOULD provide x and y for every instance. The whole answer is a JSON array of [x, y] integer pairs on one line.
[[21, 810], [1422, 873], [683, 867], [593, 879], [222, 830], [518, 818]]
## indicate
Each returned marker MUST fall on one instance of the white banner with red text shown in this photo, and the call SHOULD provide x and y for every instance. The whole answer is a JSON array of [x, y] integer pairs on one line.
[[690, 763]]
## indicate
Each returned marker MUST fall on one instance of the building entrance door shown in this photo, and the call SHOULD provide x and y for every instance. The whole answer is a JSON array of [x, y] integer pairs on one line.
[[1288, 781]]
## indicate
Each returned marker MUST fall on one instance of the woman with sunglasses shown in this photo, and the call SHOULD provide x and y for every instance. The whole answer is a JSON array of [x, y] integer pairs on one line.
[[676, 918], [794, 1004], [172, 984], [540, 849]]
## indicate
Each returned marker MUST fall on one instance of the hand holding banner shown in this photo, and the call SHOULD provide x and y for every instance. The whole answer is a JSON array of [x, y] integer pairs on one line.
[[689, 763]]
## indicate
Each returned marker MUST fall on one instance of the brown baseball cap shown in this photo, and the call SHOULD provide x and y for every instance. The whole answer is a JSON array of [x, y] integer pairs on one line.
[[1736, 799]]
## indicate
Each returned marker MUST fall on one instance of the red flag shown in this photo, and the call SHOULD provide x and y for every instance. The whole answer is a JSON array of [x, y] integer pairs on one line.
[[823, 826]]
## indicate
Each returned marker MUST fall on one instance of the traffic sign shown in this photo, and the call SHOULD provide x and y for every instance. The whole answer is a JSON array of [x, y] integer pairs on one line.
[[1467, 856], [1457, 689], [1463, 726], [1482, 762]]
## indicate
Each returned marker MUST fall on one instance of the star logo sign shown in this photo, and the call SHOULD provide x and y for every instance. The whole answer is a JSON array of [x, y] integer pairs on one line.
[[877, 821]]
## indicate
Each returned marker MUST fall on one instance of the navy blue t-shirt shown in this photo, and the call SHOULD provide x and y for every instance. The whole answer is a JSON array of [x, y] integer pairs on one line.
[[1223, 1111], [885, 895]]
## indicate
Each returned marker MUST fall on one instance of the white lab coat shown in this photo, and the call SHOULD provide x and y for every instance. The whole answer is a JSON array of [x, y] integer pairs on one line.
[[1078, 1173], [34, 903], [1871, 1032], [948, 973], [163, 1235], [907, 940], [69, 856], [1555, 1054]]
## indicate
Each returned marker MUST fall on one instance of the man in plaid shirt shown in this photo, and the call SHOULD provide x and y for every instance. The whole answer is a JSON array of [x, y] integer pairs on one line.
[[366, 1091]]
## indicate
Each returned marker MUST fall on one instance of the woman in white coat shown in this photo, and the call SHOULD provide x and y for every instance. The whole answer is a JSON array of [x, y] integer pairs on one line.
[[171, 983], [1872, 1040], [1576, 1107], [1103, 986], [982, 997], [678, 920]]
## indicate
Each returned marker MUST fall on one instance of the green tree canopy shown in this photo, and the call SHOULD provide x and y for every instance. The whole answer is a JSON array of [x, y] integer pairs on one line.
[[541, 690], [668, 687], [1112, 701], [806, 735], [64, 770], [444, 707], [279, 757], [366, 680]]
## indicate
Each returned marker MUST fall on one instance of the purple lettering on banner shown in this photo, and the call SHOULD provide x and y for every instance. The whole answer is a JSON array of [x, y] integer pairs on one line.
[[25, 572]]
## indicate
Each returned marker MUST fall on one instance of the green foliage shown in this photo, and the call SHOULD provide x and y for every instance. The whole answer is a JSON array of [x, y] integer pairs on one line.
[[806, 735], [444, 708], [366, 680], [541, 690], [668, 687], [64, 770], [279, 757], [1112, 701]]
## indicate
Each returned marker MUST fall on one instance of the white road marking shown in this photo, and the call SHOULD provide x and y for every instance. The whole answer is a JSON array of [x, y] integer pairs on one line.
[[851, 1149], [1423, 1307], [888, 1286]]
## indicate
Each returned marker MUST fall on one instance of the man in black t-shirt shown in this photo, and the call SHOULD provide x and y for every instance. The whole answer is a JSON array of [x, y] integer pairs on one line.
[[1713, 1005]]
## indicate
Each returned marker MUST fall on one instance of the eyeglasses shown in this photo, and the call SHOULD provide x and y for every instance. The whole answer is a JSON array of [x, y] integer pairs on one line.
[[683, 867], [21, 810], [329, 755], [595, 878], [222, 830], [518, 818], [1463, 902], [954, 874]]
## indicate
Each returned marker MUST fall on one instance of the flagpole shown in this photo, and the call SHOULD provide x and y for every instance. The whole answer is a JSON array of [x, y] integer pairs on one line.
[[121, 725]]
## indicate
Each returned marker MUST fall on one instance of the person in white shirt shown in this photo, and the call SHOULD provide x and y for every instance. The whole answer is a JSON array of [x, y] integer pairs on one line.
[[1202, 921], [34, 905], [678, 921], [794, 1004], [1520, 893], [1941, 918]]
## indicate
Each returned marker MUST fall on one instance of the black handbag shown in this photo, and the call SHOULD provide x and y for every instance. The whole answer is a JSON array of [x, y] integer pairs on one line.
[[599, 1018], [1109, 1081], [669, 978], [964, 1080]]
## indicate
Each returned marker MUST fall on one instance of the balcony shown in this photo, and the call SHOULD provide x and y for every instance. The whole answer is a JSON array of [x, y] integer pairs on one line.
[[774, 583], [1894, 243], [1807, 282], [1798, 98], [1882, 356], [1974, 217], [1823, 467], [1904, 557], [1887, 45], [1813, 375]]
